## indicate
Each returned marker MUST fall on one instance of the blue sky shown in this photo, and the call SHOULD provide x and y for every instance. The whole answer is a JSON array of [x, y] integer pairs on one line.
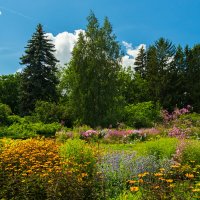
[[134, 21]]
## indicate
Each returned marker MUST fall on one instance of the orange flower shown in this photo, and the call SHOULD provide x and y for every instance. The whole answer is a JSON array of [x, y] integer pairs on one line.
[[134, 189], [189, 175], [158, 174]]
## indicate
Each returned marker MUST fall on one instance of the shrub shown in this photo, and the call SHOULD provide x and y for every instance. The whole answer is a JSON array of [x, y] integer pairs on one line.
[[5, 111], [162, 148], [48, 112], [191, 152], [177, 182], [27, 130], [141, 115], [33, 169], [62, 135], [82, 153], [191, 118]]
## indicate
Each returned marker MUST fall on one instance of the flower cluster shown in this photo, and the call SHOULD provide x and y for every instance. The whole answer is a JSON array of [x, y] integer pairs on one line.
[[167, 117], [176, 181], [89, 134], [30, 157]]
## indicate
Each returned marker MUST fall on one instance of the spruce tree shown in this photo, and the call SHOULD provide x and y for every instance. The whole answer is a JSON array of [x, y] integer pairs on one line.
[[193, 77], [140, 62], [38, 77]]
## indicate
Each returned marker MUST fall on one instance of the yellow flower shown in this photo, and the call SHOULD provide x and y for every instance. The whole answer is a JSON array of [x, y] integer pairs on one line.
[[132, 181], [84, 174], [175, 166], [189, 175], [196, 190], [158, 174], [143, 174], [171, 185], [156, 187], [162, 169], [134, 189], [140, 181], [24, 174], [169, 180]]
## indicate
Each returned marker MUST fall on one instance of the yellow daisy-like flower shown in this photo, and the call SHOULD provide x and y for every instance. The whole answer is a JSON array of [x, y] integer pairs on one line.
[[169, 180], [132, 181], [156, 187], [189, 175], [158, 174], [134, 189], [162, 169], [141, 181], [84, 174]]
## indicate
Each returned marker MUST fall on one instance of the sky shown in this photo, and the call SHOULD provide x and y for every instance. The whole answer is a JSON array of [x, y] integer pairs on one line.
[[136, 23]]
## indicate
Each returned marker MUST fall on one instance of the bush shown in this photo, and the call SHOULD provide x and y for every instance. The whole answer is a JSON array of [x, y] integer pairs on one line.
[[141, 115], [162, 148], [33, 169], [83, 154], [191, 119], [48, 112], [191, 152], [28, 130], [5, 111]]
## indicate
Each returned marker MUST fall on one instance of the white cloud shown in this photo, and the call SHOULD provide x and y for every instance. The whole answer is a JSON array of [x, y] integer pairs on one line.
[[64, 43], [131, 53]]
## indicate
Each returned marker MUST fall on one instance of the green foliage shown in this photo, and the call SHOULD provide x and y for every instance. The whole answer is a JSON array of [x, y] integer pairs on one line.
[[39, 76], [140, 62], [9, 91], [5, 111], [141, 115], [81, 153], [28, 130], [162, 148], [49, 112], [192, 118], [127, 195], [191, 152], [193, 76], [94, 68]]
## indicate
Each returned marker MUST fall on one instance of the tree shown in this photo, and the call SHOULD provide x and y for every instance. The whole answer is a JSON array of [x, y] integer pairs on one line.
[[159, 60], [140, 62], [9, 91], [193, 77], [94, 71], [39, 76]]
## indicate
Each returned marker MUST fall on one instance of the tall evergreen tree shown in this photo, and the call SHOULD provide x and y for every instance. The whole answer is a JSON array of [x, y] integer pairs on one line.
[[159, 61], [140, 62], [38, 78], [193, 77], [94, 70]]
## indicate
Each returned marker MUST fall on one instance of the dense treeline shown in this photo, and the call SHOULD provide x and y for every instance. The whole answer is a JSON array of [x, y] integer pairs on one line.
[[94, 88]]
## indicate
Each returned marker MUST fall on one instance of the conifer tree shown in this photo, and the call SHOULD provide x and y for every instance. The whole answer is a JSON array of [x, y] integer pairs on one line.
[[140, 62], [38, 77]]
